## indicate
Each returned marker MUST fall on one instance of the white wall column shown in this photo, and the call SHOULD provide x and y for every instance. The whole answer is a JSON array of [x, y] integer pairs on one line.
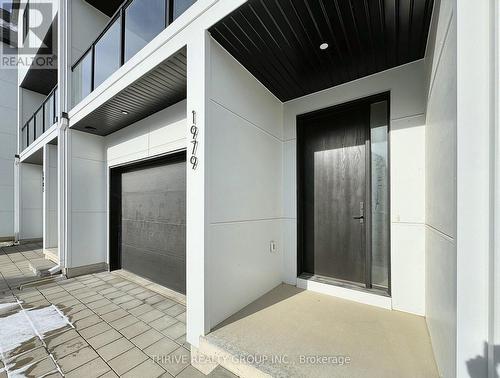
[[475, 185], [49, 196], [196, 218]]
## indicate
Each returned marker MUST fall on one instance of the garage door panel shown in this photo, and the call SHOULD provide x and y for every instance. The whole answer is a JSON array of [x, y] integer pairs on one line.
[[166, 177], [160, 237], [153, 222], [163, 269], [166, 207]]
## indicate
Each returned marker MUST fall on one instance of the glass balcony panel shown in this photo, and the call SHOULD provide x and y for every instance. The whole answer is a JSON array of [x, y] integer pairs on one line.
[[82, 79], [107, 53], [144, 20], [24, 136], [49, 112], [180, 6], [39, 123], [31, 131], [56, 100]]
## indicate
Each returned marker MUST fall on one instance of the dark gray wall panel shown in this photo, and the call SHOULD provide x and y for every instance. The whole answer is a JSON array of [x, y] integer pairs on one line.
[[153, 223]]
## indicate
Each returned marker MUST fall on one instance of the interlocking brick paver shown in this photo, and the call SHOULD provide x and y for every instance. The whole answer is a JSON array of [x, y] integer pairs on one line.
[[175, 331], [162, 347], [60, 338], [176, 361], [68, 347], [114, 315], [77, 359], [93, 369], [95, 330], [115, 348], [148, 324], [128, 360], [104, 338], [175, 310], [147, 369], [150, 315], [123, 322], [142, 309], [87, 322], [191, 372], [106, 309], [134, 329], [163, 322], [147, 338]]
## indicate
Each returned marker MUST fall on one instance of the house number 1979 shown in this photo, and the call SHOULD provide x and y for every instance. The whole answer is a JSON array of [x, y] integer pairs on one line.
[[194, 135]]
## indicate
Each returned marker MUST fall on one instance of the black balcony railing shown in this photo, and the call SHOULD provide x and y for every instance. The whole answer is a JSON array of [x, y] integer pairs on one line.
[[43, 118], [131, 28]]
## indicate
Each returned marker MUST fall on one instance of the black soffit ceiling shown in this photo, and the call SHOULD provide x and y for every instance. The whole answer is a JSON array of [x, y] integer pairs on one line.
[[278, 41], [107, 7], [161, 87]]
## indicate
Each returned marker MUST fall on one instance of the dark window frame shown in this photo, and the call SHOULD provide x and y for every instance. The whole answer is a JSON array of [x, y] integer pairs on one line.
[[26, 20], [120, 14]]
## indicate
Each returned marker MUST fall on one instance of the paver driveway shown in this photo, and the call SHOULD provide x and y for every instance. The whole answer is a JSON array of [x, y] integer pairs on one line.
[[99, 325], [15, 264]]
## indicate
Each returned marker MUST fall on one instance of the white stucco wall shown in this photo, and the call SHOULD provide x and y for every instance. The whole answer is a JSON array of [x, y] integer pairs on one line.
[[441, 174], [87, 200], [8, 142], [50, 233], [477, 169], [160, 133], [407, 161], [31, 202], [244, 181]]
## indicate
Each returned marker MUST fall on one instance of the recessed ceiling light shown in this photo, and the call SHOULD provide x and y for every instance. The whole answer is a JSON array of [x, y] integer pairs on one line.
[[124, 112], [90, 128], [323, 46]]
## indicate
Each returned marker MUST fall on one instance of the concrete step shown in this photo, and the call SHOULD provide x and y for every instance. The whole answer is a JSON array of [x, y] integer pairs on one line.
[[40, 267], [235, 360]]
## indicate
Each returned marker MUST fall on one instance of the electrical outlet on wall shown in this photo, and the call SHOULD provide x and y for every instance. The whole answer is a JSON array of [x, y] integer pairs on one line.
[[273, 247]]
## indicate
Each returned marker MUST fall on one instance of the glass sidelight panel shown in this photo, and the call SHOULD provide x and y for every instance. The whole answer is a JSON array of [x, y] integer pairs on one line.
[[107, 54], [144, 20], [380, 194]]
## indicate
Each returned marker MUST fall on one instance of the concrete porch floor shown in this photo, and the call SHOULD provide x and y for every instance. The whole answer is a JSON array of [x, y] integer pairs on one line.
[[302, 326]]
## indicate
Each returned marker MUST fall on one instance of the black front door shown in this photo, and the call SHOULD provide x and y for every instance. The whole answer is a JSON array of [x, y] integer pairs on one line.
[[332, 164]]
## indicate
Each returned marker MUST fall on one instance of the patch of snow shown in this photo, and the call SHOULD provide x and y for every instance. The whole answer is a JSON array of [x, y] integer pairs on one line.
[[25, 325]]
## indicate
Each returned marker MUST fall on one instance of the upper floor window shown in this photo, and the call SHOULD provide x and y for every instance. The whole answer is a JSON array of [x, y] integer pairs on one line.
[[135, 24], [26, 20]]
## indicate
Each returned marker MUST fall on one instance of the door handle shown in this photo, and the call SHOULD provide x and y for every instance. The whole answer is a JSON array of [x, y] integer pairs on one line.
[[361, 216]]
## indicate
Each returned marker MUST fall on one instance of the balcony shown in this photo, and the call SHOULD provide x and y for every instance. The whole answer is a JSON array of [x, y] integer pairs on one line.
[[43, 118], [131, 28]]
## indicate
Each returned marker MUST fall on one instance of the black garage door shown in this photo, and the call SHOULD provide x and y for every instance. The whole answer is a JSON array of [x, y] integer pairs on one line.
[[149, 215]]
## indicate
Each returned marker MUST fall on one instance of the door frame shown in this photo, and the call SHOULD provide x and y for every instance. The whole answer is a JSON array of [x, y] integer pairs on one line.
[[115, 198], [301, 119]]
